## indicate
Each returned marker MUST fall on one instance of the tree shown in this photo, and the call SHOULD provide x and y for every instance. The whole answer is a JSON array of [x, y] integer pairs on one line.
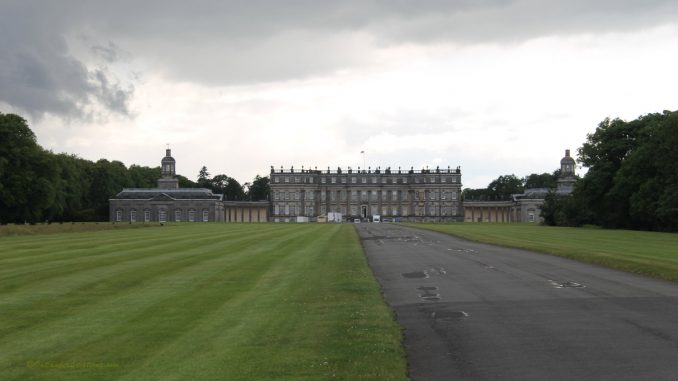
[[505, 186], [633, 173], [260, 189], [27, 174], [233, 190], [544, 180], [204, 180]]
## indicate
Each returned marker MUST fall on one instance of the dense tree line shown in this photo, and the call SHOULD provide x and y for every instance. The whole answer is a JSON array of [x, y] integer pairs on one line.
[[632, 178], [38, 185], [504, 186]]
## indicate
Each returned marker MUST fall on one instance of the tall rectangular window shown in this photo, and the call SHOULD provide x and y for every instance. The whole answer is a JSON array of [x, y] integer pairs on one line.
[[147, 215], [118, 215], [177, 215], [205, 215], [162, 215], [191, 215], [132, 215]]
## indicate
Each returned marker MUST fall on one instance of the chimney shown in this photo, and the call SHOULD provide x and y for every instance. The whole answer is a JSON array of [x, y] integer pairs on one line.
[[567, 153]]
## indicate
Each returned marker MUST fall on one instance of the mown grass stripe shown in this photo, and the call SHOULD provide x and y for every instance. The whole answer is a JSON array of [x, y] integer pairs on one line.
[[237, 302]]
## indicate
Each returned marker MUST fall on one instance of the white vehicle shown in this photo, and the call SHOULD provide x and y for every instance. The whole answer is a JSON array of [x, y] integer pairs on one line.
[[356, 220], [334, 217], [376, 218]]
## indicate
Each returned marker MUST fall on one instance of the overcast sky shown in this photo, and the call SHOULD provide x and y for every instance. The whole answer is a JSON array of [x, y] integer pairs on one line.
[[494, 86]]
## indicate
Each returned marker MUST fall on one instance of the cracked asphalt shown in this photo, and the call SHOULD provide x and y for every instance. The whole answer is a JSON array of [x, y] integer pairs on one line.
[[472, 311]]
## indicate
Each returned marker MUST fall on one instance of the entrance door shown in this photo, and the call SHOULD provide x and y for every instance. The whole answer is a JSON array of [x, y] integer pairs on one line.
[[363, 211]]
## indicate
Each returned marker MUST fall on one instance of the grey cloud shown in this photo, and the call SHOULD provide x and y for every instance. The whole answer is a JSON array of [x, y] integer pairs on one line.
[[245, 42], [38, 74], [241, 42]]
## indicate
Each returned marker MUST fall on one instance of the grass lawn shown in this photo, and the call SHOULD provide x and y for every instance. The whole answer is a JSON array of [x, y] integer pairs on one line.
[[647, 253], [194, 302], [66, 227]]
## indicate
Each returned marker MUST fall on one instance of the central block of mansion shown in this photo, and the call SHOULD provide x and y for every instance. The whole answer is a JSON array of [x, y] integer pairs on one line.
[[404, 195]]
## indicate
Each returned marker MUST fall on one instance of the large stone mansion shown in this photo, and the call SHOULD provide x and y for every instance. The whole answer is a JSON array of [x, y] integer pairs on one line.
[[426, 195], [403, 195]]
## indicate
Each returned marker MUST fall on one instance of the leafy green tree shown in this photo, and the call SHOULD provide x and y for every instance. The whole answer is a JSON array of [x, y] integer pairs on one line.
[[233, 190], [260, 189], [505, 186], [27, 175], [633, 173], [144, 177], [107, 179], [544, 180]]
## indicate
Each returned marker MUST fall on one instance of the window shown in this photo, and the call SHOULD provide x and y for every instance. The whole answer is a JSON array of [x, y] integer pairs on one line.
[[363, 180], [443, 179], [296, 179], [287, 210], [162, 215], [354, 195], [276, 210], [147, 215], [205, 215], [394, 195], [177, 215], [287, 179], [277, 179], [191, 215], [296, 196], [363, 195], [404, 180], [323, 196], [334, 180], [343, 180], [374, 180], [454, 195], [454, 179], [132, 215], [395, 211], [353, 180], [323, 180], [118, 215]]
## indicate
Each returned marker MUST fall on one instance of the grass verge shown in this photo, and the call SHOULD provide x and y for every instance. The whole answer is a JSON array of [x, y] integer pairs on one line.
[[647, 253], [195, 301]]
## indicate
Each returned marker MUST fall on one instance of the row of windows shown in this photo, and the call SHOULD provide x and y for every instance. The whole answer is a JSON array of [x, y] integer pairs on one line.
[[292, 210], [386, 195], [365, 179], [162, 215]]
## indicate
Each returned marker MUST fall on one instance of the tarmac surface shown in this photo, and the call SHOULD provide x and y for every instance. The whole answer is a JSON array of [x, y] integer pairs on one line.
[[472, 311]]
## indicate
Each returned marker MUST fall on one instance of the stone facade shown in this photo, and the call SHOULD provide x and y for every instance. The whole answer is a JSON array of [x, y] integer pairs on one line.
[[400, 195], [167, 202]]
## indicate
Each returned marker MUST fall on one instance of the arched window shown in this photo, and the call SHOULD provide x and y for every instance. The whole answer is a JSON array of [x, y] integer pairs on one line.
[[133, 215], [191, 215]]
